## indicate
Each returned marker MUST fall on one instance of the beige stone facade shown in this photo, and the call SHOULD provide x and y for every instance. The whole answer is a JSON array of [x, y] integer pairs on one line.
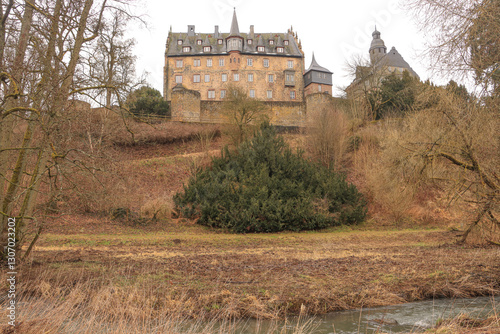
[[200, 69], [264, 77]]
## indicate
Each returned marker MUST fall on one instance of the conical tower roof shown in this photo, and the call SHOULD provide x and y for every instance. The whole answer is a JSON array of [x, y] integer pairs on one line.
[[316, 67], [235, 30]]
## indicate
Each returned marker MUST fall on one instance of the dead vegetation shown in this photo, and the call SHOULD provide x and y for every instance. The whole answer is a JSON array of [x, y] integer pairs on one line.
[[129, 276]]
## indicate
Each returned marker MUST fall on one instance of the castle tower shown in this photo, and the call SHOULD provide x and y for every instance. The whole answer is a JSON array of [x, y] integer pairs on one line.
[[377, 48], [317, 79], [234, 42]]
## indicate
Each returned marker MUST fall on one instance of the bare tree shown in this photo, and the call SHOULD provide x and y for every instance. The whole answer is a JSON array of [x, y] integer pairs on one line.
[[243, 112], [464, 42], [38, 81], [367, 78], [462, 38]]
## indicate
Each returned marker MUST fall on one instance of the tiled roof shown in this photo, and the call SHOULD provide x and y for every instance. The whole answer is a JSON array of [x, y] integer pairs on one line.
[[394, 59], [174, 49], [316, 67]]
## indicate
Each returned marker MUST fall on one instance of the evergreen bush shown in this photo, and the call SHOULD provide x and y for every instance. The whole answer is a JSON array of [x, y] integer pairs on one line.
[[264, 187]]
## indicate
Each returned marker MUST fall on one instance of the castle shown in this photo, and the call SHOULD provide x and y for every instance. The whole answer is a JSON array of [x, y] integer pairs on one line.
[[201, 67], [381, 64]]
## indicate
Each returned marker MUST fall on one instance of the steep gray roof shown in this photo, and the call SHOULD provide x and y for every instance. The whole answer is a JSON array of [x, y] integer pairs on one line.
[[235, 30], [393, 58], [316, 67], [174, 49]]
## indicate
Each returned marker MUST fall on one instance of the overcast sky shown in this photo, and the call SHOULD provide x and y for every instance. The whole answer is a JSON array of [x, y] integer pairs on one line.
[[333, 30]]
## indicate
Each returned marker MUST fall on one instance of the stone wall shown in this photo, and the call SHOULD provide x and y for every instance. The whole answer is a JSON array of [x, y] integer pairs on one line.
[[186, 106]]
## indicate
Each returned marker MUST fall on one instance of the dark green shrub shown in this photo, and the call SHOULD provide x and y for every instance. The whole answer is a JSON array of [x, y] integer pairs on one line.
[[264, 187]]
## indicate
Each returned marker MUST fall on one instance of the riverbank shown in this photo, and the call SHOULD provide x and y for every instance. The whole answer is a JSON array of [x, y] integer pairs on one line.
[[180, 269]]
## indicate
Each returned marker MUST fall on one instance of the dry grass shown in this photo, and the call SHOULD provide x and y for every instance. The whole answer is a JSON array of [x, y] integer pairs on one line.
[[117, 274]]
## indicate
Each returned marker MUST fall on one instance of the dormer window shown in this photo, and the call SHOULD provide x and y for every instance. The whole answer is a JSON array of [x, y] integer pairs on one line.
[[206, 49], [271, 42], [250, 42], [219, 41], [260, 49], [279, 49], [198, 42], [179, 42], [285, 42], [186, 48]]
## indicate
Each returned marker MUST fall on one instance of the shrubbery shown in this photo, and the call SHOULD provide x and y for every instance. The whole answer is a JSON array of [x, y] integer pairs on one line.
[[264, 187]]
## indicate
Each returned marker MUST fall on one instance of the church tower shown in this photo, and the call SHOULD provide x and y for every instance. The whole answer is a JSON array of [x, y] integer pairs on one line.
[[234, 42], [377, 47]]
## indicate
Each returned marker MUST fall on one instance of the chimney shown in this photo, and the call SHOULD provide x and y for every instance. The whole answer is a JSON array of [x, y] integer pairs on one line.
[[216, 34], [251, 31], [190, 30]]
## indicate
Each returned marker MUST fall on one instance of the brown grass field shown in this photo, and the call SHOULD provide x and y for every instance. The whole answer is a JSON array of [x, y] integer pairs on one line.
[[88, 269]]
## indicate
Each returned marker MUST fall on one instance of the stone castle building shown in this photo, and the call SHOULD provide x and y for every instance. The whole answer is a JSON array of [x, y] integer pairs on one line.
[[201, 67], [382, 64]]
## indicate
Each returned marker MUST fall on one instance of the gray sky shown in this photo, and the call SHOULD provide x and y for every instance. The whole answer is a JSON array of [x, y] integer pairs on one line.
[[333, 30]]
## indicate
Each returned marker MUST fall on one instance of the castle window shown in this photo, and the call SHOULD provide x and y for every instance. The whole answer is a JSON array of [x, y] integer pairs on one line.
[[198, 42], [209, 62], [224, 77], [219, 41], [211, 94], [292, 95], [285, 42], [290, 77], [260, 49], [196, 78], [250, 77], [269, 94], [196, 62], [179, 63], [207, 77], [223, 94], [270, 78], [236, 77], [249, 62], [179, 42], [266, 62], [319, 88], [178, 79], [186, 48], [206, 49], [252, 93], [290, 64], [221, 61], [279, 49], [249, 42]]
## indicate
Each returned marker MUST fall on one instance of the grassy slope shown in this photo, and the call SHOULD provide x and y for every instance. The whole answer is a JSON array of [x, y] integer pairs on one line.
[[96, 265]]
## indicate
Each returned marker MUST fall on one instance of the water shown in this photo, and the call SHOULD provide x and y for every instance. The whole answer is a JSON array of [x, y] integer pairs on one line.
[[390, 319]]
